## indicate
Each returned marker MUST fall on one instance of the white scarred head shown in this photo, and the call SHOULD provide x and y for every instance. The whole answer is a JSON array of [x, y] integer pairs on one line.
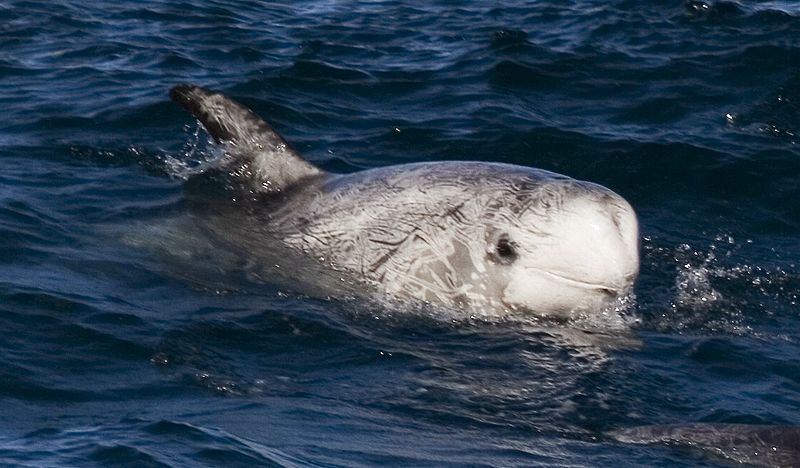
[[560, 247]]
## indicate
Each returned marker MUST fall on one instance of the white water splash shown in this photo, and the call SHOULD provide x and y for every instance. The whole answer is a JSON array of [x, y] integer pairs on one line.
[[692, 283], [712, 293], [197, 155]]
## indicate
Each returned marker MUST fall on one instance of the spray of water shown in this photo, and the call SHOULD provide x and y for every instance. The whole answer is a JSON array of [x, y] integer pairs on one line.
[[712, 293], [197, 155]]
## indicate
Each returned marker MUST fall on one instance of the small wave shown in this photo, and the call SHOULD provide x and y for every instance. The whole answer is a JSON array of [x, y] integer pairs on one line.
[[141, 443], [20, 388], [783, 7], [712, 294], [123, 454], [176, 61], [514, 74], [778, 115], [321, 72]]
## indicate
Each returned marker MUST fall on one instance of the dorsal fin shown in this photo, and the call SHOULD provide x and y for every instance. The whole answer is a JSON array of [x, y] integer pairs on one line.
[[261, 158]]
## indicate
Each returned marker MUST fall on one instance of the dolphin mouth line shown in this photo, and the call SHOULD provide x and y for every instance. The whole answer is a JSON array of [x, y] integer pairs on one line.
[[608, 289]]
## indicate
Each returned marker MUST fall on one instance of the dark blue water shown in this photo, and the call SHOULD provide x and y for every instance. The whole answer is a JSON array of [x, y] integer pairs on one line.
[[112, 352]]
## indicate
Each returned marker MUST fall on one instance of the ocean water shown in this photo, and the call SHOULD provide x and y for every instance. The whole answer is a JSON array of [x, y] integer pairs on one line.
[[124, 341]]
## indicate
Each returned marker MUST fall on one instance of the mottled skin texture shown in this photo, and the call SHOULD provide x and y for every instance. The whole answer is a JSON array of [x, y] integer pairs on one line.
[[429, 231], [421, 231], [751, 444], [482, 237]]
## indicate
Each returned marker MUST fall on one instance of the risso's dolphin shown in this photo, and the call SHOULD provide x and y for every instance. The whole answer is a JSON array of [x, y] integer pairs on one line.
[[484, 238], [751, 444]]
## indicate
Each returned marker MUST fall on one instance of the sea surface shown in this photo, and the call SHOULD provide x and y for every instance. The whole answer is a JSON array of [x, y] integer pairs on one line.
[[127, 341]]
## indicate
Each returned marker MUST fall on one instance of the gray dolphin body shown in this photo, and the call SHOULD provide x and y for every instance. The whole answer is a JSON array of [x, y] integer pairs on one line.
[[484, 238], [753, 444]]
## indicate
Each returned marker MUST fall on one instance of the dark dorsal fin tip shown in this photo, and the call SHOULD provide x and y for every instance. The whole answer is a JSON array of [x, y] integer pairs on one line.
[[199, 101], [274, 164]]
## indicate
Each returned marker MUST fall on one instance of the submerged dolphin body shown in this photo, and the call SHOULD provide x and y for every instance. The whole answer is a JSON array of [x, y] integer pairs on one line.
[[753, 444], [483, 238]]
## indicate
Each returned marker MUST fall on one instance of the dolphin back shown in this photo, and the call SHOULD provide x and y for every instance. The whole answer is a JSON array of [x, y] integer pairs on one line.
[[256, 154], [752, 444]]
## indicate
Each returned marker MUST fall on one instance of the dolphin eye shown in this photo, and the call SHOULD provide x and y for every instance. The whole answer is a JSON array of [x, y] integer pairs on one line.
[[505, 251]]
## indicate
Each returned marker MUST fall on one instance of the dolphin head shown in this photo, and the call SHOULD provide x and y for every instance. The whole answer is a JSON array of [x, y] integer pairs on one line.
[[562, 246]]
